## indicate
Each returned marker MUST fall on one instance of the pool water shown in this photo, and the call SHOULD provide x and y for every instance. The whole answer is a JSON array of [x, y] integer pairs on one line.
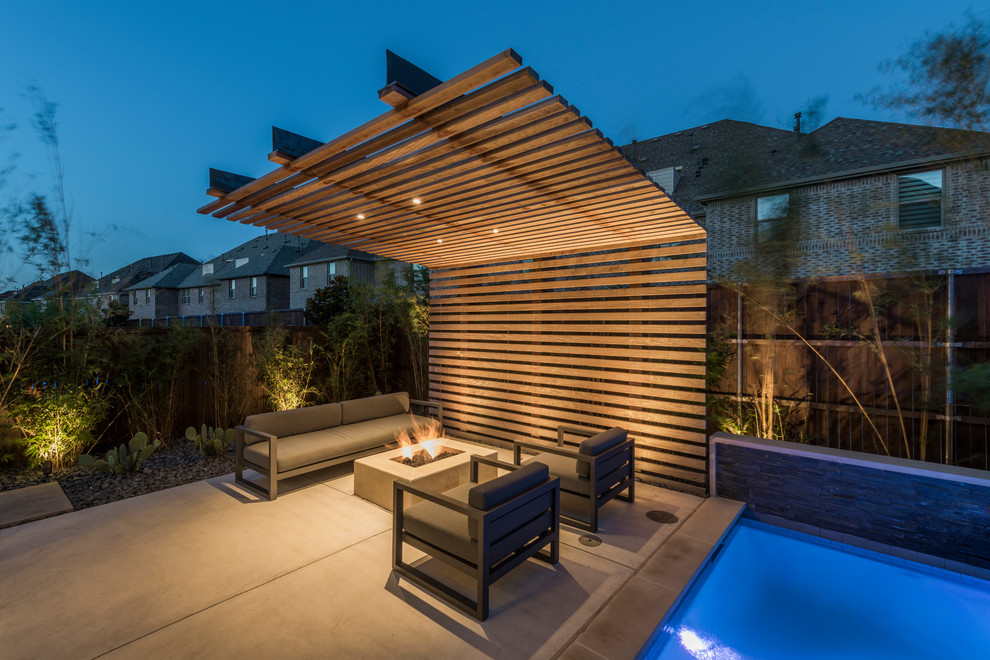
[[773, 593]]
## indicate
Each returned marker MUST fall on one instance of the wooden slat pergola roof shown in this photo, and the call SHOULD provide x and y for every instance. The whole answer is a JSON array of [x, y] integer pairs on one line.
[[486, 166]]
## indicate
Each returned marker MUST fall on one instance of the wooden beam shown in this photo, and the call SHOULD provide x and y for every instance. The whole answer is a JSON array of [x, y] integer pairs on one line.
[[395, 94]]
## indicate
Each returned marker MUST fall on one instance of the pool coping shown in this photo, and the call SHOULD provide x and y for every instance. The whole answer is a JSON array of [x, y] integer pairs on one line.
[[627, 621]]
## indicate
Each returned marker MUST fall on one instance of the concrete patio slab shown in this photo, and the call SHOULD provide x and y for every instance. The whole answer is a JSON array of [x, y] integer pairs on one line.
[[625, 624], [209, 568], [32, 503]]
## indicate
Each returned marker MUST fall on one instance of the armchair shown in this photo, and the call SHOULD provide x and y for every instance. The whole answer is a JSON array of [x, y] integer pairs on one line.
[[592, 473], [484, 530]]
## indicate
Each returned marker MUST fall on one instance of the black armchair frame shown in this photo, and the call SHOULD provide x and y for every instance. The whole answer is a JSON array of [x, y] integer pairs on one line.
[[609, 473], [508, 535]]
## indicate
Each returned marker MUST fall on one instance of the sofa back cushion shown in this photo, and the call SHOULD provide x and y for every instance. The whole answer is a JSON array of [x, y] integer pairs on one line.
[[488, 495], [374, 407], [598, 444], [284, 423]]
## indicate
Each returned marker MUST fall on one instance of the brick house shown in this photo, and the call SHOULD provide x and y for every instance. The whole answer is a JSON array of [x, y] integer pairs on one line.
[[853, 196], [274, 272], [315, 267], [113, 286], [70, 284]]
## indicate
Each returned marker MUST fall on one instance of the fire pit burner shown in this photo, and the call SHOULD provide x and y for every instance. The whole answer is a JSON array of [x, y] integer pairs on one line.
[[423, 457]]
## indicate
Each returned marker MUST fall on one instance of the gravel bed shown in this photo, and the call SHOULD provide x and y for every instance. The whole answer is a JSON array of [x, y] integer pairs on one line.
[[86, 487]]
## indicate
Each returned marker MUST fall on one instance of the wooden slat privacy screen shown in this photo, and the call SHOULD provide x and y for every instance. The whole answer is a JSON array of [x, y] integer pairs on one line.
[[614, 337]]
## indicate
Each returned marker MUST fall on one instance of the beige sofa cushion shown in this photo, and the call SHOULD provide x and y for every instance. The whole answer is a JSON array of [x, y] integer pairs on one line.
[[373, 407], [284, 423], [317, 446]]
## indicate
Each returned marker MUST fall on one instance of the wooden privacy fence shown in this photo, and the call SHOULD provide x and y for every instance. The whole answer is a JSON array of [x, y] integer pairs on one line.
[[614, 337], [199, 388], [944, 421], [286, 317]]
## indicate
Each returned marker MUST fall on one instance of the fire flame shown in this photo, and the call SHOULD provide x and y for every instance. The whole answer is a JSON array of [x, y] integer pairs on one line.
[[427, 438]]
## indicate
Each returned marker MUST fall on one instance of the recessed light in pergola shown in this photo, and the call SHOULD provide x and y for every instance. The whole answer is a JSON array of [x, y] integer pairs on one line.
[[360, 216]]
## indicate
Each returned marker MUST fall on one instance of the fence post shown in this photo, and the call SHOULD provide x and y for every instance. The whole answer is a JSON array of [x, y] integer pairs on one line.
[[950, 406], [739, 349]]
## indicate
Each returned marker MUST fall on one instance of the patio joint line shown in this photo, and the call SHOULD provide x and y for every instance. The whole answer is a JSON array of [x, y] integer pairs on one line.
[[240, 593]]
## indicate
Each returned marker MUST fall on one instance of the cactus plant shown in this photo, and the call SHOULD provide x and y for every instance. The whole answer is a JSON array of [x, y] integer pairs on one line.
[[211, 441], [126, 459]]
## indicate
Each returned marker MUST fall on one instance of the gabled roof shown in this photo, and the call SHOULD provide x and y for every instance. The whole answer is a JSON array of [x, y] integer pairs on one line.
[[122, 278], [728, 157], [323, 252], [75, 281], [170, 278], [266, 255]]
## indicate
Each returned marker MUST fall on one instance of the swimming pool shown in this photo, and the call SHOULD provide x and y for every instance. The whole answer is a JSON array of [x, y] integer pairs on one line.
[[773, 593]]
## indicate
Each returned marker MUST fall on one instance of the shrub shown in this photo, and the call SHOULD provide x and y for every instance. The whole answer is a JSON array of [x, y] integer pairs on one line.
[[285, 369], [58, 423]]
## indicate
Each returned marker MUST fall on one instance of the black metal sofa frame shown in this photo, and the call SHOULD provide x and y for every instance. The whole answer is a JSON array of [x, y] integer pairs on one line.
[[335, 450]]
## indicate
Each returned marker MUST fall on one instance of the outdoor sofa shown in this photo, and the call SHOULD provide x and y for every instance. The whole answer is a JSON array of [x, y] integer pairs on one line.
[[597, 470], [287, 443]]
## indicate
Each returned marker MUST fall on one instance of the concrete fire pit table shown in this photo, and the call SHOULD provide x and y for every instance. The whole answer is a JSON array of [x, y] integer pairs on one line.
[[373, 475]]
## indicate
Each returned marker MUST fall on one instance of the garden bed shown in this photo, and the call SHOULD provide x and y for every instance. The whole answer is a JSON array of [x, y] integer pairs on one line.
[[86, 487]]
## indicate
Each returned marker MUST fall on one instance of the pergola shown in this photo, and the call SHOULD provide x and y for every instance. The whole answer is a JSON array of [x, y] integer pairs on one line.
[[566, 287]]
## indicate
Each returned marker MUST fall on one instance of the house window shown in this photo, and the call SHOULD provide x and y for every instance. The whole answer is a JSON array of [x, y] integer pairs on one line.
[[185, 296], [254, 287], [331, 270], [919, 200], [231, 288], [303, 277], [147, 296], [134, 297], [770, 213], [202, 294]]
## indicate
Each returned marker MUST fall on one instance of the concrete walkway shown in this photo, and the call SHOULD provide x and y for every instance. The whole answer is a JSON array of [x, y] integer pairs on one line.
[[207, 569], [32, 503]]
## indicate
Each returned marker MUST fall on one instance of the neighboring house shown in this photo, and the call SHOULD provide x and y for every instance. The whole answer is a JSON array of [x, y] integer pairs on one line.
[[313, 270], [853, 196], [70, 284], [252, 277], [113, 286], [274, 272]]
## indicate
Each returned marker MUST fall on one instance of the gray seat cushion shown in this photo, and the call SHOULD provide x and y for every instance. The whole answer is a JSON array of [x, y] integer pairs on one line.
[[565, 468], [308, 448], [284, 423], [443, 527], [374, 407]]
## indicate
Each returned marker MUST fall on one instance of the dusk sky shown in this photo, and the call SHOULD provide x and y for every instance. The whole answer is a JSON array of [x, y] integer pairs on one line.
[[153, 94]]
